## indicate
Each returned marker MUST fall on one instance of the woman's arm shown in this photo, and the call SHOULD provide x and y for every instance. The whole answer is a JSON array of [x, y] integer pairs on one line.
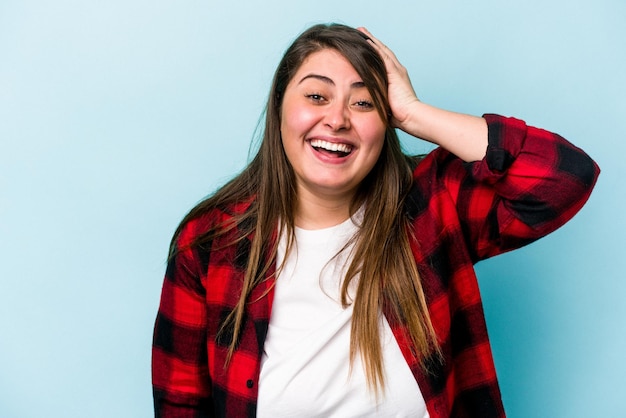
[[522, 183], [180, 373], [463, 135]]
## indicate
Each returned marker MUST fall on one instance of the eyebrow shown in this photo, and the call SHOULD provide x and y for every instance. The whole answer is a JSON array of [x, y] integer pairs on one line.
[[327, 80]]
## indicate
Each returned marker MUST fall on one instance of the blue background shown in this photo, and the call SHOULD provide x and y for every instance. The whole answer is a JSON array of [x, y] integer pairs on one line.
[[116, 117]]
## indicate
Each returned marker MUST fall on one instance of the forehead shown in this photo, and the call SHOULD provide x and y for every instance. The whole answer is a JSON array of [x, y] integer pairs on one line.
[[328, 63]]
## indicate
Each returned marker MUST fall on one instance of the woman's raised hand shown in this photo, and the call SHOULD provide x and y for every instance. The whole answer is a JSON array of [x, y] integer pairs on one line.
[[463, 135], [402, 97]]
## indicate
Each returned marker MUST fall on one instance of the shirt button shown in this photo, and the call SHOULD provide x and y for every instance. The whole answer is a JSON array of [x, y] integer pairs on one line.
[[250, 384]]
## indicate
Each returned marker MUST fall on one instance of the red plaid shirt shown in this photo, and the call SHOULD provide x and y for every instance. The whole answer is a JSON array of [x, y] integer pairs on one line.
[[530, 183]]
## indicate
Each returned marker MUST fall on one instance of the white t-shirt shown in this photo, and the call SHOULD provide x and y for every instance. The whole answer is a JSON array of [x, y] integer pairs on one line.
[[305, 370]]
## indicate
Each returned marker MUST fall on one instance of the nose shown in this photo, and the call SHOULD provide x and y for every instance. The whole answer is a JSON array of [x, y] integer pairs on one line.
[[337, 116]]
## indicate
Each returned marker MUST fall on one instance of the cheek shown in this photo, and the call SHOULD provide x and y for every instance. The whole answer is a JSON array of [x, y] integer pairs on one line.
[[374, 134], [296, 121], [375, 142]]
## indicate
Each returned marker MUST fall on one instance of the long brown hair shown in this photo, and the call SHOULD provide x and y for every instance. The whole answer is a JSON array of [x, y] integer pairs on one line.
[[383, 262]]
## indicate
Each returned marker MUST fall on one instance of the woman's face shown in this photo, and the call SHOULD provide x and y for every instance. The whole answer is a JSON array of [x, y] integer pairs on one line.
[[331, 132]]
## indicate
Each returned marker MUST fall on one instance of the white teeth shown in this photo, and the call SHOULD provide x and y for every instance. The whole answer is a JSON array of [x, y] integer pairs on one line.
[[331, 146]]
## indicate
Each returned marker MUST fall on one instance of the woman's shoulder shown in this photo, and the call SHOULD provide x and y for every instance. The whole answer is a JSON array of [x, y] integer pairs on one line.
[[438, 177], [206, 218], [436, 169]]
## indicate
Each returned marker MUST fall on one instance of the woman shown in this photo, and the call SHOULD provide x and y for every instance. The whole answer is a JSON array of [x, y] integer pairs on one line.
[[333, 276]]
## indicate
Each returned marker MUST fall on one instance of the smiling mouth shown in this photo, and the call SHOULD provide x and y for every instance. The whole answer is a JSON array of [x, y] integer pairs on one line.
[[331, 148]]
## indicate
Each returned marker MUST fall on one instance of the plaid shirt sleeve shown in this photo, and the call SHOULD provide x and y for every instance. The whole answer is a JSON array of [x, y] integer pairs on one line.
[[530, 183], [539, 181], [201, 287], [181, 383]]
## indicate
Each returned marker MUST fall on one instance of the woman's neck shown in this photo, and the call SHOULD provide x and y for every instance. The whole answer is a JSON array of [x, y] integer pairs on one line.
[[315, 212]]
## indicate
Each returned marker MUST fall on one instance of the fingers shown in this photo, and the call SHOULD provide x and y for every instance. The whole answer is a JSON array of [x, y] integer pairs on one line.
[[401, 94], [386, 53], [380, 47]]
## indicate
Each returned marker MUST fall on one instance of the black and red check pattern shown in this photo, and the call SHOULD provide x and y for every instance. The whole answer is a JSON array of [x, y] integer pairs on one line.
[[530, 183]]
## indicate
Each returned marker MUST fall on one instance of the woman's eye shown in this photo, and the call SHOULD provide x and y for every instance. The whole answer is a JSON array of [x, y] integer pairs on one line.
[[315, 97], [364, 104]]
